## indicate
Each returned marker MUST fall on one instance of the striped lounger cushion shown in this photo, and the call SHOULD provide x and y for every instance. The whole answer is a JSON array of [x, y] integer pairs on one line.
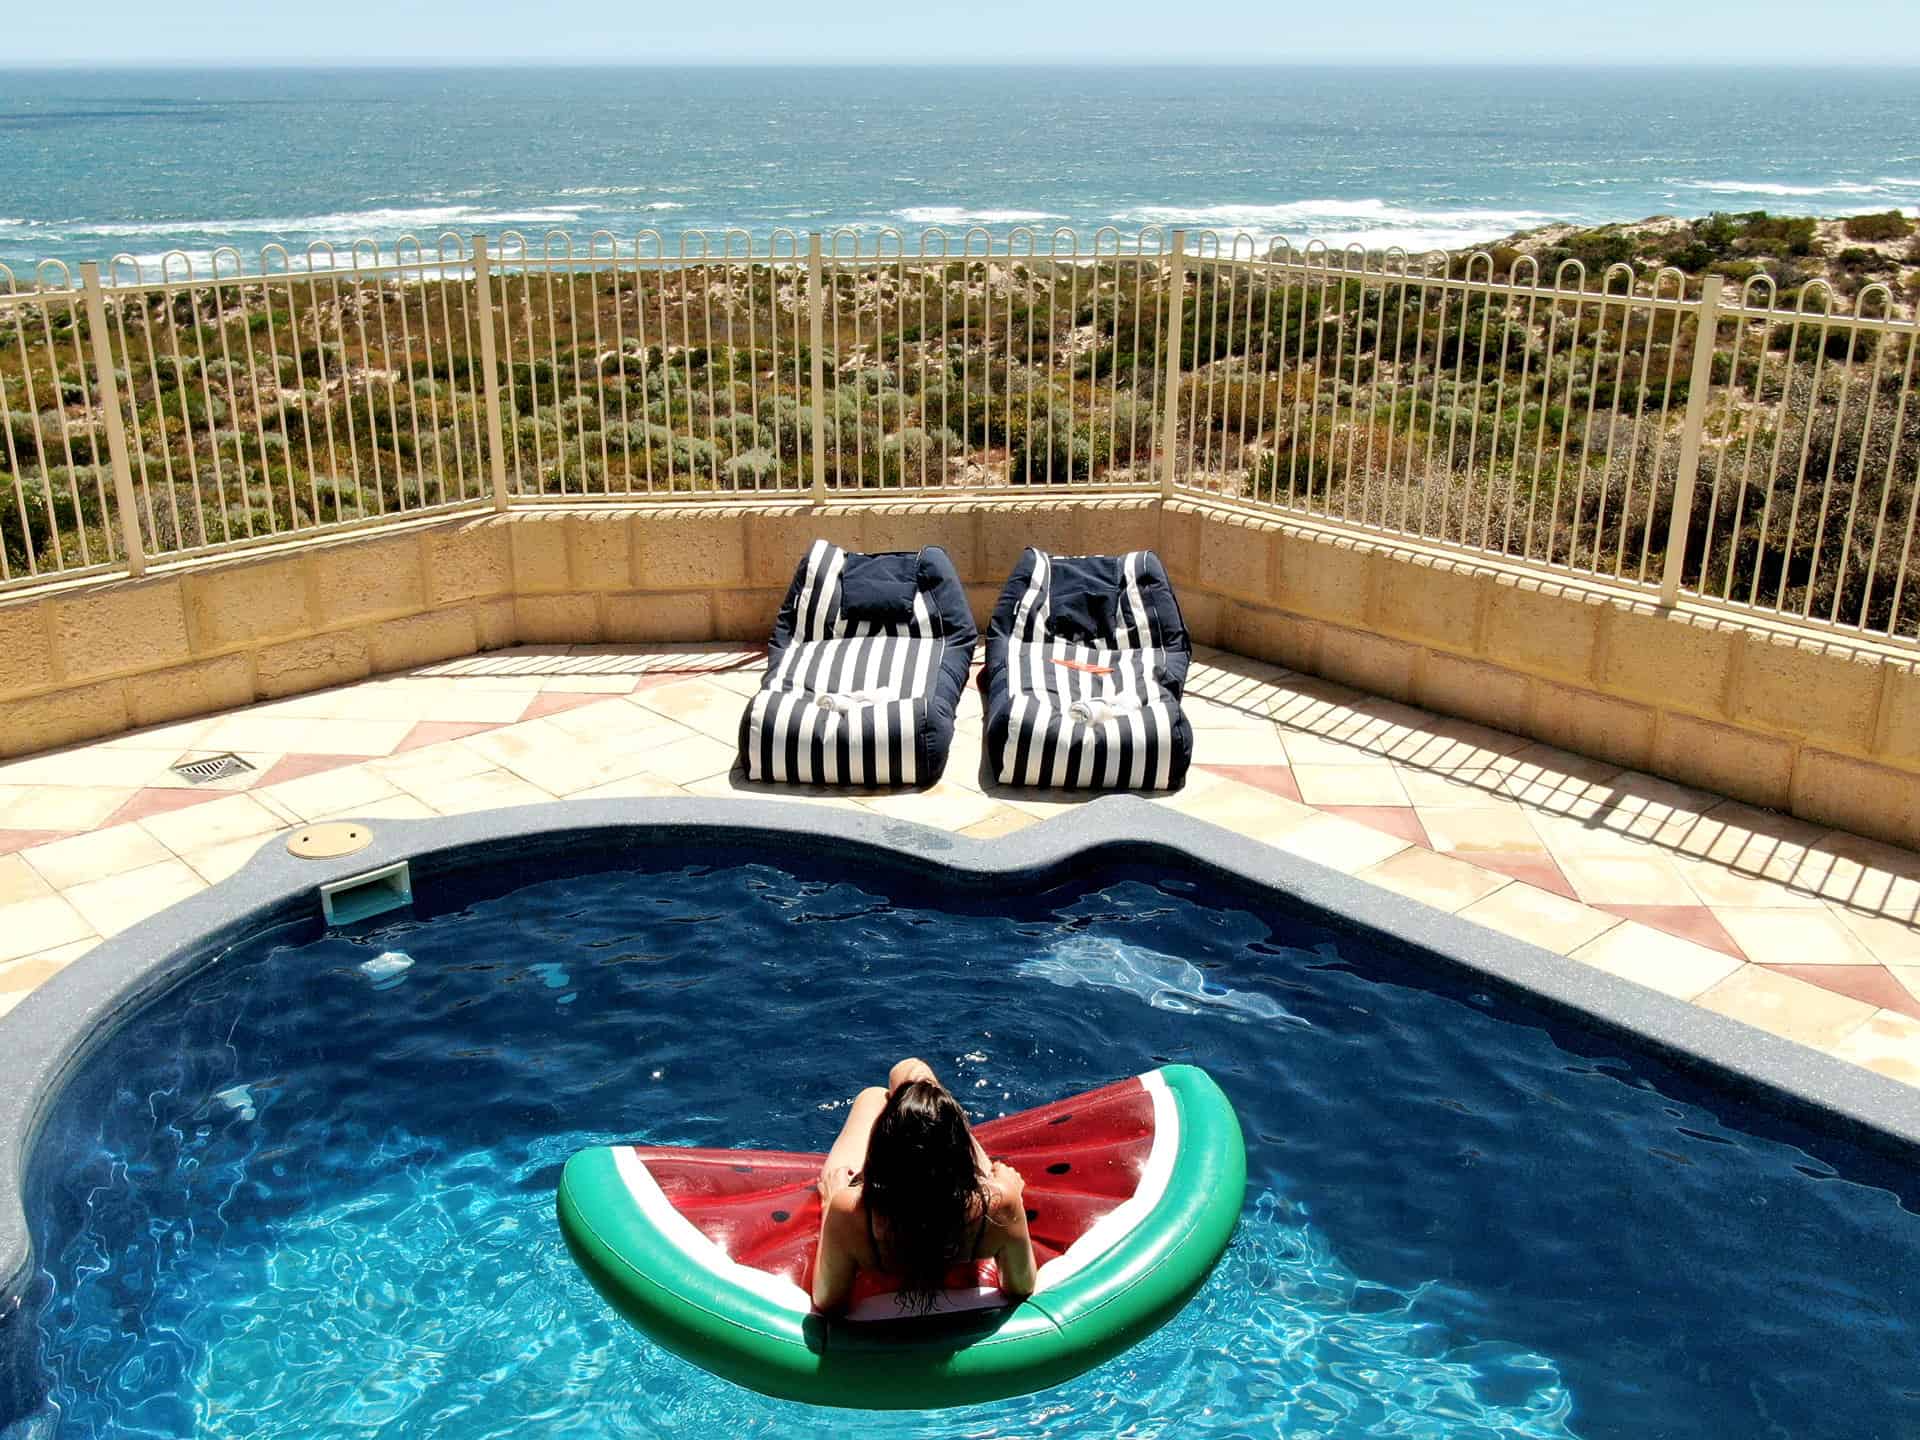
[[1087, 657], [864, 671]]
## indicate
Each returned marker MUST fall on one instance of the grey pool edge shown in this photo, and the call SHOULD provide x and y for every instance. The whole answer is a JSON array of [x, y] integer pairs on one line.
[[61, 1021]]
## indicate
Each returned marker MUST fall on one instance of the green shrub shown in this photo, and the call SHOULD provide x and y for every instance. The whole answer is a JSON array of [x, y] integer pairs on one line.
[[1887, 225], [752, 469]]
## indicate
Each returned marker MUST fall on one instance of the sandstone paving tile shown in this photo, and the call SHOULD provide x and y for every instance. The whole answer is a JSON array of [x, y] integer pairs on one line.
[[1873, 984], [1238, 747], [591, 684], [1719, 885], [1433, 879], [1697, 923], [733, 784], [1468, 789], [91, 765], [173, 737], [22, 880], [1305, 748], [215, 863], [697, 704], [20, 978], [1396, 820], [397, 806], [158, 800], [1541, 918], [1794, 937], [298, 767], [1888, 1043], [62, 807], [633, 787], [1336, 843], [1004, 820], [488, 790], [1472, 833], [434, 732], [14, 840], [1248, 810], [93, 855], [946, 806], [1890, 941], [112, 904], [693, 757], [460, 704], [40, 923], [446, 760], [228, 817], [559, 702], [312, 736], [1214, 715], [1606, 879], [1349, 784], [1276, 778], [1657, 960], [328, 793], [1787, 1007]]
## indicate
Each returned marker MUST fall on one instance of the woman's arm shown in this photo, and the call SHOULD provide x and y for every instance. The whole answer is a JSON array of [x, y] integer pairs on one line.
[[1013, 1250], [835, 1255]]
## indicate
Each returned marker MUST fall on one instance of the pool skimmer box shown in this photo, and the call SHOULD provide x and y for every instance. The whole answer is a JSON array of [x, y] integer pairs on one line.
[[361, 897]]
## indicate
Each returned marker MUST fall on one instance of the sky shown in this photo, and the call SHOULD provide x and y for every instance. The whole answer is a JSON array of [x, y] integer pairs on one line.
[[123, 32]]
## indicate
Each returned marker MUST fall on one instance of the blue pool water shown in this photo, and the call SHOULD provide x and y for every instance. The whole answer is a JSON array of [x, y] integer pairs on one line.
[[310, 1192]]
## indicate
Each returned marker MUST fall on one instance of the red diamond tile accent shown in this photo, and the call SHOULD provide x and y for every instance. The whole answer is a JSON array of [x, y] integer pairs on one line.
[[1869, 983], [158, 800], [555, 702], [294, 767], [432, 732], [1690, 922], [1537, 870], [1398, 821], [12, 840], [1277, 778]]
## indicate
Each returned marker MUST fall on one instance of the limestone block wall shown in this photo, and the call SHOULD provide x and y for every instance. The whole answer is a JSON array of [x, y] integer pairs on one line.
[[1824, 728]]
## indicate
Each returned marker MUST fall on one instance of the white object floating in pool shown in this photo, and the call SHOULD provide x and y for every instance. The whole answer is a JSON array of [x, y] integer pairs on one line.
[[237, 1098], [387, 965], [1165, 982]]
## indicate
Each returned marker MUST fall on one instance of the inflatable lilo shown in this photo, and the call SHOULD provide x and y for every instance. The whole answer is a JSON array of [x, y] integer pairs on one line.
[[1132, 1193]]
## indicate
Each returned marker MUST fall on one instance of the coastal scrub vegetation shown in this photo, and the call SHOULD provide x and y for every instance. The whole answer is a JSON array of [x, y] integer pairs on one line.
[[1515, 417]]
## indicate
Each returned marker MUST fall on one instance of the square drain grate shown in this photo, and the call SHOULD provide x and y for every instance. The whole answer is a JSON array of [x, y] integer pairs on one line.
[[211, 768]]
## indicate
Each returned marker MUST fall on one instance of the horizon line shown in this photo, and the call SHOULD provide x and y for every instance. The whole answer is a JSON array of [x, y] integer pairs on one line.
[[705, 62]]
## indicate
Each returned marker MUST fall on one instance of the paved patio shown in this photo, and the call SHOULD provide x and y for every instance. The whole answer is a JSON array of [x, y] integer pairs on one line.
[[1804, 931]]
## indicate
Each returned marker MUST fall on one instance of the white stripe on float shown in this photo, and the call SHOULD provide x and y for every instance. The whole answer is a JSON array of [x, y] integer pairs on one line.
[[1118, 1222], [685, 1237]]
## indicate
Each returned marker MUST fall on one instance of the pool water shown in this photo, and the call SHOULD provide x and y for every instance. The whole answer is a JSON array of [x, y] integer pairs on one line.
[[310, 1192]]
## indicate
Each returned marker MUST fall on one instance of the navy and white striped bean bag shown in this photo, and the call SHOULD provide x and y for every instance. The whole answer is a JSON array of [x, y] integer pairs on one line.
[[1087, 657], [865, 668]]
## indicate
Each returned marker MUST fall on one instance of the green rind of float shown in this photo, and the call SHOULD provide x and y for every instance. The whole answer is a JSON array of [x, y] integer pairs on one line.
[[1103, 1309]]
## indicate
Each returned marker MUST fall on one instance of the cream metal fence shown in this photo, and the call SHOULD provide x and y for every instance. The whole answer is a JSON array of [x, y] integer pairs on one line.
[[1656, 433]]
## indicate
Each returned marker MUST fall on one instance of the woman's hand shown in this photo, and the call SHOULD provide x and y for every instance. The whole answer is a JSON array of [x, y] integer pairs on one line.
[[833, 1179], [1008, 1182]]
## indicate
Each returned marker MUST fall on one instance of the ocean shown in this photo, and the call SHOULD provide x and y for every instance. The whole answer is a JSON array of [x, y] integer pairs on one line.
[[99, 163]]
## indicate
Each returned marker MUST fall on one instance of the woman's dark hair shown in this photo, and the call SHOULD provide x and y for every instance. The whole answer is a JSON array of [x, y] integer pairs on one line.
[[922, 1189]]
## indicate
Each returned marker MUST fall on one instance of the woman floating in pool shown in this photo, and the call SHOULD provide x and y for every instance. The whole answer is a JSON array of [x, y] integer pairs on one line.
[[907, 1190]]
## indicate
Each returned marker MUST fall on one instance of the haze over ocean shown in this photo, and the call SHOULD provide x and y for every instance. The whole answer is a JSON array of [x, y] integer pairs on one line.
[[94, 163]]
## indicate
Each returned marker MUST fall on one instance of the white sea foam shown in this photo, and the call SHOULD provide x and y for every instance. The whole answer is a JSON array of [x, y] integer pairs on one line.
[[1769, 187], [1373, 223], [345, 224], [960, 215]]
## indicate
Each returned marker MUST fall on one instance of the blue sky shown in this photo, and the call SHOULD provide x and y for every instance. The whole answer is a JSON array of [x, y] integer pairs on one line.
[[1246, 31]]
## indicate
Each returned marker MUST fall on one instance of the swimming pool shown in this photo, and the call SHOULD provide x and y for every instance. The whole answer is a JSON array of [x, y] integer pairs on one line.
[[309, 1191]]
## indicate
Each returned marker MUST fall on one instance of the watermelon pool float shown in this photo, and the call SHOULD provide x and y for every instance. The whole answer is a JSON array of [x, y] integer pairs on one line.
[[1132, 1194]]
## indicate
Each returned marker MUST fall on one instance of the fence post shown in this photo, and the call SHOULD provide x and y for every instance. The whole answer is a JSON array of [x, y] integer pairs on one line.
[[816, 305], [1170, 401], [123, 496], [1706, 334], [490, 377]]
